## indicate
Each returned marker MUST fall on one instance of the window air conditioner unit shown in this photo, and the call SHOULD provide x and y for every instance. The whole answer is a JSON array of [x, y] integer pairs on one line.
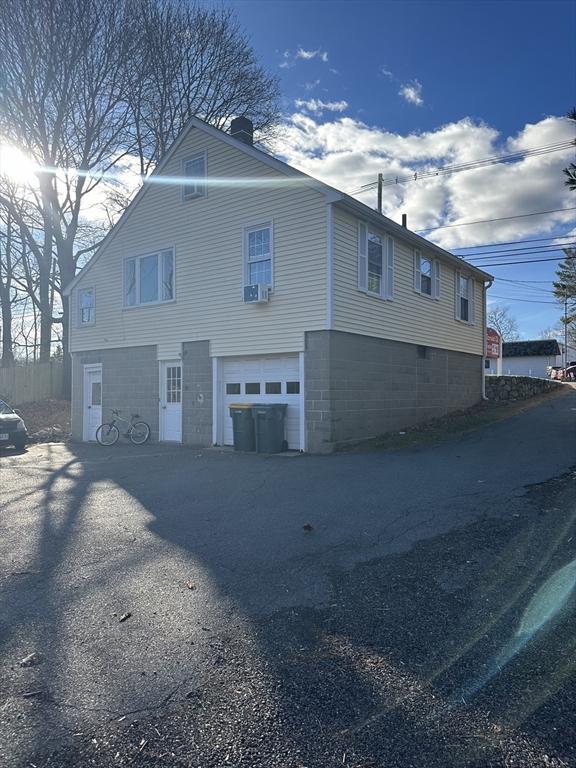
[[256, 294]]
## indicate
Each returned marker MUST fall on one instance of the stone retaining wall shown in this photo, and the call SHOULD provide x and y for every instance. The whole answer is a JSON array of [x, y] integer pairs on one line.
[[499, 388]]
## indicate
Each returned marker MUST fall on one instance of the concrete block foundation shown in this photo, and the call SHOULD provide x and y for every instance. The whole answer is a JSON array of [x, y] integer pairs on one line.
[[359, 387]]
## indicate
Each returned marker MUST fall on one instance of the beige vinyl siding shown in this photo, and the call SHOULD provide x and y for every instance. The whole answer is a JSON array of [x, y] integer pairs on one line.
[[409, 317], [207, 237]]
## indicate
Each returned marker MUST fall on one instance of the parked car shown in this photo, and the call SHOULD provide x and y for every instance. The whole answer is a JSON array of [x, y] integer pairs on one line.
[[12, 428], [563, 374]]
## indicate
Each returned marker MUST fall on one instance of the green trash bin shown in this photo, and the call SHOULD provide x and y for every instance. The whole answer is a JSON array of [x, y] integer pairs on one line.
[[243, 427], [269, 421]]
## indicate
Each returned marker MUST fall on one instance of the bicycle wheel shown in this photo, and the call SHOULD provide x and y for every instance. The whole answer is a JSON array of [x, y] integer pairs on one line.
[[107, 434], [139, 432]]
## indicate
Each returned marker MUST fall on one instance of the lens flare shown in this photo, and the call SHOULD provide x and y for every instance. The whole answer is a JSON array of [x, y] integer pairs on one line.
[[547, 603], [15, 166]]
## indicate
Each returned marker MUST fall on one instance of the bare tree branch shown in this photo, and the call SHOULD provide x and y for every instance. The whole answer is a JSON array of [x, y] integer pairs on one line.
[[86, 84]]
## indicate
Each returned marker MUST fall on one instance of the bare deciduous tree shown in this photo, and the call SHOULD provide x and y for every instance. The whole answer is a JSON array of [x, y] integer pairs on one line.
[[85, 84], [6, 292], [501, 320], [194, 61]]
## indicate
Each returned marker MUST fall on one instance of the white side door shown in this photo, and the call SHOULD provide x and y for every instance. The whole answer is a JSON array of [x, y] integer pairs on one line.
[[171, 401], [92, 401]]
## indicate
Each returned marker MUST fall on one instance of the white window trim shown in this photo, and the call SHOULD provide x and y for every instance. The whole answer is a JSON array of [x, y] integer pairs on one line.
[[436, 275], [388, 263], [197, 195], [471, 299], [138, 257], [79, 322], [245, 263]]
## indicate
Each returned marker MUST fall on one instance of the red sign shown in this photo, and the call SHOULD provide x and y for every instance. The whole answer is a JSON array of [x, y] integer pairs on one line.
[[492, 343]]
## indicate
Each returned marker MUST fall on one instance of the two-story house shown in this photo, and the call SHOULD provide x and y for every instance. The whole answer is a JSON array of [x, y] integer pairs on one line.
[[233, 277]]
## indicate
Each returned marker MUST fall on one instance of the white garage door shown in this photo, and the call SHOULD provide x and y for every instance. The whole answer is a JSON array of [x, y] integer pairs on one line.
[[270, 379]]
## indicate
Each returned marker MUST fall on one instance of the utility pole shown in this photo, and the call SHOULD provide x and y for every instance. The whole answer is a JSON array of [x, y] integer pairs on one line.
[[380, 180], [570, 253], [565, 328]]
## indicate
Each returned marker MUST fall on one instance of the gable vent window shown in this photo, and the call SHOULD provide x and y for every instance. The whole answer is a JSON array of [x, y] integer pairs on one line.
[[426, 276], [194, 168], [375, 263], [464, 298], [149, 279], [86, 306]]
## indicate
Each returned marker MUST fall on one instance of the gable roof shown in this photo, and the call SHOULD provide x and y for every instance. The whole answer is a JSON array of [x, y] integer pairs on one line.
[[332, 194], [535, 348]]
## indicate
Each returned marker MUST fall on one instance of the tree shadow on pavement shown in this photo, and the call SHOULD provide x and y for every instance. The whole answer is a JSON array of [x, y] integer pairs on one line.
[[374, 670]]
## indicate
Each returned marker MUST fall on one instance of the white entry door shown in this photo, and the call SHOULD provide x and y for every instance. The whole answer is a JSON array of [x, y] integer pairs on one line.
[[171, 401], [92, 401], [268, 379]]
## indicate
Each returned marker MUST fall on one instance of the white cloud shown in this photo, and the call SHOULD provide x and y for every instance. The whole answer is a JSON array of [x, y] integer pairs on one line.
[[287, 60], [311, 85], [290, 58], [302, 53], [412, 93], [318, 107], [347, 153], [386, 72]]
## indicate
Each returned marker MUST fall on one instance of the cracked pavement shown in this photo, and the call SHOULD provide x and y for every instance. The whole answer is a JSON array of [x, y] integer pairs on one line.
[[89, 534]]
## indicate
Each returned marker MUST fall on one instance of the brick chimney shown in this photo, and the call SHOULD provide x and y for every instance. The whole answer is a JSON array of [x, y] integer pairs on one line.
[[242, 129]]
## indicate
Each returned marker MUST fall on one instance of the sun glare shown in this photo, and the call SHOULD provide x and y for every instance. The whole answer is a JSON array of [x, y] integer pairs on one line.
[[14, 164]]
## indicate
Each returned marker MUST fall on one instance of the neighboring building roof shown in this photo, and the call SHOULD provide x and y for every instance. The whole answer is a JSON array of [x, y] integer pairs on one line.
[[536, 348], [333, 195]]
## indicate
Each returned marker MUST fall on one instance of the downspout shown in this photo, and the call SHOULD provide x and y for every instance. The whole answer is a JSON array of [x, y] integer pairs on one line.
[[329, 265], [485, 288]]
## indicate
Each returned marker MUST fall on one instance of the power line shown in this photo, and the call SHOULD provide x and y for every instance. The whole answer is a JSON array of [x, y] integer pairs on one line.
[[469, 166], [526, 281], [524, 289], [533, 250], [514, 242], [526, 301], [509, 254], [528, 249], [502, 218], [522, 284], [508, 263]]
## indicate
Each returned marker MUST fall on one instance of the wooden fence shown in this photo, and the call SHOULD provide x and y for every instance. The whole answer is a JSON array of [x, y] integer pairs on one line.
[[26, 383]]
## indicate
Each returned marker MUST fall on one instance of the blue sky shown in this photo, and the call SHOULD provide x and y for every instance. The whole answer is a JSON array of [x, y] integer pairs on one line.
[[409, 86]]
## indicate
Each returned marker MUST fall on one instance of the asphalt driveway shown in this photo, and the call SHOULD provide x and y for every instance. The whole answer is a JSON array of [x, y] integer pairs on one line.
[[235, 617]]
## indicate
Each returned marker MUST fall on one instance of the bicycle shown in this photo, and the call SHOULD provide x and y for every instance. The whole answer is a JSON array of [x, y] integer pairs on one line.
[[137, 432]]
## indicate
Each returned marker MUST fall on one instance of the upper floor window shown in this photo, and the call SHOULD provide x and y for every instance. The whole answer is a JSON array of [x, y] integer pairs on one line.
[[426, 276], [464, 298], [86, 306], [149, 279], [258, 255], [194, 168], [375, 263]]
